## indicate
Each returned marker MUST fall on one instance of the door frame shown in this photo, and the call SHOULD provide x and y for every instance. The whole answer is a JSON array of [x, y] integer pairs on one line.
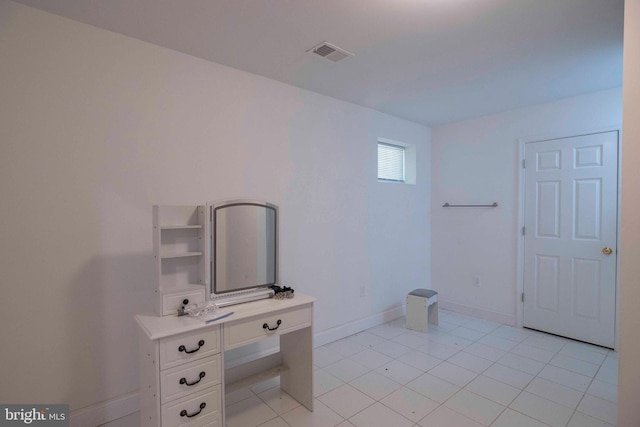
[[521, 209]]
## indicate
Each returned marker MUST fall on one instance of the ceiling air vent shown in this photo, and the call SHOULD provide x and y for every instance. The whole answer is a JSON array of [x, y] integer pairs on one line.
[[330, 52]]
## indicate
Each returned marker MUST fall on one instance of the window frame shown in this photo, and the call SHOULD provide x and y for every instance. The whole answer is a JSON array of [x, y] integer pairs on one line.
[[410, 161]]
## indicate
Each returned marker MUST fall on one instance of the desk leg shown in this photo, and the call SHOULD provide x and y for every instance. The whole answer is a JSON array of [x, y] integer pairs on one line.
[[297, 355]]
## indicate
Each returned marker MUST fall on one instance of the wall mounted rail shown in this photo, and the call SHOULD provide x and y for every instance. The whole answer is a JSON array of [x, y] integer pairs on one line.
[[493, 205]]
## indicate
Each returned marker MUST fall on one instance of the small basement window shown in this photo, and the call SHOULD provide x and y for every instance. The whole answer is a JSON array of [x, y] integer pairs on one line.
[[391, 162], [396, 161]]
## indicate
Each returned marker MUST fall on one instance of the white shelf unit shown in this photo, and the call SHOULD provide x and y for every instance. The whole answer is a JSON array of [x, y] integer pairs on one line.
[[180, 252]]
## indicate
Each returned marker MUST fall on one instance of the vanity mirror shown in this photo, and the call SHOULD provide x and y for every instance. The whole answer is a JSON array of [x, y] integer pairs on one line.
[[244, 250]]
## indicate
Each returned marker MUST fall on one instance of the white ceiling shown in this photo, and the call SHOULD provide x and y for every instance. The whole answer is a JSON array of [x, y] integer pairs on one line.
[[429, 61]]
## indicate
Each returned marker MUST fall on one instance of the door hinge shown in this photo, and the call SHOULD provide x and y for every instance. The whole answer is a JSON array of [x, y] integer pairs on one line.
[[523, 164], [523, 230], [522, 296]]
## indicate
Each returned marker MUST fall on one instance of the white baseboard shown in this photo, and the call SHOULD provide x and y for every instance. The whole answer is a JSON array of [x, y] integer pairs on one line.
[[105, 412], [342, 331], [252, 364], [507, 319], [230, 364], [112, 410]]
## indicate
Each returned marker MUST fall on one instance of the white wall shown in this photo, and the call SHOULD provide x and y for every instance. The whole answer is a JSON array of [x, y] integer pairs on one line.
[[629, 368], [95, 128], [476, 162]]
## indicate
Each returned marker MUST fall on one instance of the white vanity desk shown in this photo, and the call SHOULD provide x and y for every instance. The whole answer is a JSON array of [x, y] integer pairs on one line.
[[182, 359]]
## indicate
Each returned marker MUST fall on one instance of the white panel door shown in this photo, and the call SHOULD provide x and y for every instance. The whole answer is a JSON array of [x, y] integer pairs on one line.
[[570, 237]]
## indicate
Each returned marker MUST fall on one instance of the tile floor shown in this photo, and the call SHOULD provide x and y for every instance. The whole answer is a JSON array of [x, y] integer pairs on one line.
[[466, 372]]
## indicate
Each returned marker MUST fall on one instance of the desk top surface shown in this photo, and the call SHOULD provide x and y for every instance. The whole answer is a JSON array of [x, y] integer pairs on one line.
[[157, 327]]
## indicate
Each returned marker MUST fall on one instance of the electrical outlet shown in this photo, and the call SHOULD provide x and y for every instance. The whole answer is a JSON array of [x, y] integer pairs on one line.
[[476, 281]]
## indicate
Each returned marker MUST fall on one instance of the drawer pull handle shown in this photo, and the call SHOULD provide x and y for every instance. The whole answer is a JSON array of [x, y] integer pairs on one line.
[[184, 413], [184, 380], [182, 348], [266, 326]]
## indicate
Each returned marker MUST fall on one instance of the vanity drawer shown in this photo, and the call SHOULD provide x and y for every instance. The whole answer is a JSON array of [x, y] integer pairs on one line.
[[198, 409], [209, 420], [173, 301], [188, 347], [242, 332], [189, 378]]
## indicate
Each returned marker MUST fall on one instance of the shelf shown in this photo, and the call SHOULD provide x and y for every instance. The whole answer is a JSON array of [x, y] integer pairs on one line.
[[180, 227], [180, 255], [179, 250], [256, 378], [181, 288]]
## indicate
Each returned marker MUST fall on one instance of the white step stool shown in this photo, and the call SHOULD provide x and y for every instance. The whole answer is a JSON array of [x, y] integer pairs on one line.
[[422, 309]]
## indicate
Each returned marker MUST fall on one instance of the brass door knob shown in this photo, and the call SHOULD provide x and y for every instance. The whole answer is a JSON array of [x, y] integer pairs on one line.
[[607, 251]]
